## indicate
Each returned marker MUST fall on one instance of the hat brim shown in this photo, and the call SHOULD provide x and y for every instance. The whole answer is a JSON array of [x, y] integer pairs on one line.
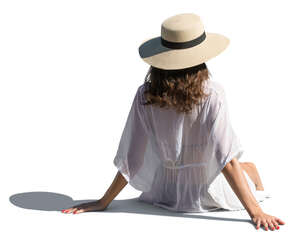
[[155, 54]]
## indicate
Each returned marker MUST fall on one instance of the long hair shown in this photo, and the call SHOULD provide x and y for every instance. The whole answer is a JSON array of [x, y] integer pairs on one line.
[[180, 88]]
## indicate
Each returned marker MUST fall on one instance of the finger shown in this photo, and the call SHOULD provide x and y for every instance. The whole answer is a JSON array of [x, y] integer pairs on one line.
[[71, 209], [271, 225], [280, 221], [275, 224], [265, 225], [258, 224], [68, 210], [74, 210], [80, 211], [77, 210]]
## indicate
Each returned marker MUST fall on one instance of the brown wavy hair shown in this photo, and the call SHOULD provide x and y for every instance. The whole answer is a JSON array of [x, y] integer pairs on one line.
[[180, 88]]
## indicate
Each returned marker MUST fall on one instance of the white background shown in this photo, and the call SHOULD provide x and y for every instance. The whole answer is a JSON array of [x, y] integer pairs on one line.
[[68, 74]]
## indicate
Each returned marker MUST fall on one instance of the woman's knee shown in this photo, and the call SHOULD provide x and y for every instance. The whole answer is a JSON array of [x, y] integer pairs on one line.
[[249, 164]]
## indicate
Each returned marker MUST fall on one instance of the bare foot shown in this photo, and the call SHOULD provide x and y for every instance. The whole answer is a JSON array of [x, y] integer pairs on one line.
[[86, 207], [259, 188]]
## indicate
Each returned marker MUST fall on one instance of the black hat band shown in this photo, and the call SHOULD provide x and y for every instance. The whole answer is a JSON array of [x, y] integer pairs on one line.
[[182, 45]]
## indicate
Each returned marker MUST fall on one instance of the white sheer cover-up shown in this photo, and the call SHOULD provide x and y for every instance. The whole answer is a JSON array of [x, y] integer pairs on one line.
[[176, 159]]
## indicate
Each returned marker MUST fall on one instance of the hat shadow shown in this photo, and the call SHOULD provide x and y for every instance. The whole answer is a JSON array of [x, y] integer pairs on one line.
[[49, 201], [152, 47]]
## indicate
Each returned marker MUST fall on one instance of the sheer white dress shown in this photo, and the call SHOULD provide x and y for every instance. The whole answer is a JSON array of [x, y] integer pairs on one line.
[[176, 159]]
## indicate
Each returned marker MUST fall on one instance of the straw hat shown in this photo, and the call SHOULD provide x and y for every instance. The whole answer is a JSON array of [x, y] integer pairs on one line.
[[183, 43]]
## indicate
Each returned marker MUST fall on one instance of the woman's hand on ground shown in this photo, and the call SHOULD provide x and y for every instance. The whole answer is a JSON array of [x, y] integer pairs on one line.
[[86, 207], [266, 221]]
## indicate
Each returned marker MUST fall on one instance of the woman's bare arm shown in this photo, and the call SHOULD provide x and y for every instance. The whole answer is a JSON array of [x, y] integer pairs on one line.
[[238, 182], [116, 186], [236, 179]]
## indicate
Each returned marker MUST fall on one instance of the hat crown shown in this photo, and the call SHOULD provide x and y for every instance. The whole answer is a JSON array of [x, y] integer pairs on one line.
[[182, 27]]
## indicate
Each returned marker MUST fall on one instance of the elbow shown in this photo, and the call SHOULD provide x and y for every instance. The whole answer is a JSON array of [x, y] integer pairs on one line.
[[230, 165]]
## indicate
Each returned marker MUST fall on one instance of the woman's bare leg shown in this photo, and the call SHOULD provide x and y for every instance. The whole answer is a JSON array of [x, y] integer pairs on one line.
[[251, 170]]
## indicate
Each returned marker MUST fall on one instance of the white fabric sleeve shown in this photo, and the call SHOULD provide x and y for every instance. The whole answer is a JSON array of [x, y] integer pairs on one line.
[[132, 146], [223, 143]]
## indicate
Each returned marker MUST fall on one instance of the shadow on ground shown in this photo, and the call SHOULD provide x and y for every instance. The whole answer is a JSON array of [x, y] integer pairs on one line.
[[49, 201]]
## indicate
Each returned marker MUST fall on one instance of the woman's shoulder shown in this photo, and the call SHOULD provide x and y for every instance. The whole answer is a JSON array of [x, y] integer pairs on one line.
[[141, 88], [140, 93], [215, 90], [215, 86]]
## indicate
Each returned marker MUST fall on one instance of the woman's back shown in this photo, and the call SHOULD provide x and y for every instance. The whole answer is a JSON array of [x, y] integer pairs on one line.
[[174, 157], [180, 138]]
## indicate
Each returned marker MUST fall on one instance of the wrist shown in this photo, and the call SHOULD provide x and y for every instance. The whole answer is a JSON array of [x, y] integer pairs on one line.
[[255, 210], [103, 201]]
